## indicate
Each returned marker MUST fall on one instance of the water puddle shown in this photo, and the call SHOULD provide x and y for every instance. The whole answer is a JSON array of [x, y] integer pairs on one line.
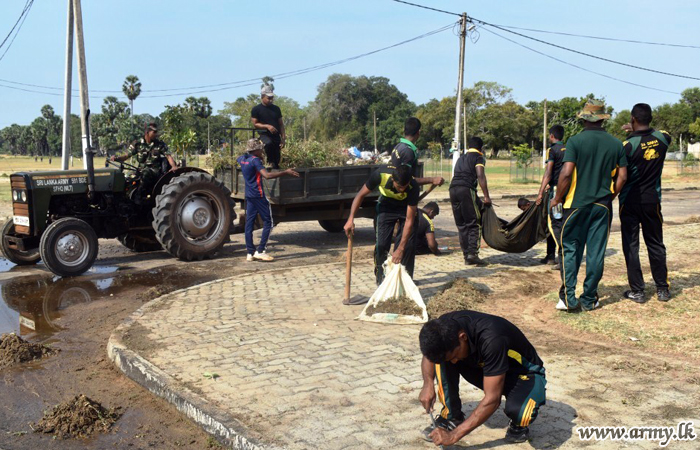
[[31, 305], [5, 264]]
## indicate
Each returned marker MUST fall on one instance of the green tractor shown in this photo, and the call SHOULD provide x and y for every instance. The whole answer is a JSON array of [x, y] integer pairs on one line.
[[58, 216]]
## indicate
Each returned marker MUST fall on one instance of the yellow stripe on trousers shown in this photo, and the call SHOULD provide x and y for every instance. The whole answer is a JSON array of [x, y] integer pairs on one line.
[[527, 415], [441, 394]]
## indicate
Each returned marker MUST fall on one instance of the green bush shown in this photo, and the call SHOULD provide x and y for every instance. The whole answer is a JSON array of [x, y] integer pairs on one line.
[[522, 154]]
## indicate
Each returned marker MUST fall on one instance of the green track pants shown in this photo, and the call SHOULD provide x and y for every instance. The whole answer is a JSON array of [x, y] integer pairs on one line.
[[584, 228]]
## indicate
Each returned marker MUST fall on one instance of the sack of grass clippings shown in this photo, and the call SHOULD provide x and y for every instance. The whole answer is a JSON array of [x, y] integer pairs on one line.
[[396, 300]]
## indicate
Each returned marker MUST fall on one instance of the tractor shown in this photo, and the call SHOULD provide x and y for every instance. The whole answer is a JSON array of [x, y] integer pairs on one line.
[[58, 216]]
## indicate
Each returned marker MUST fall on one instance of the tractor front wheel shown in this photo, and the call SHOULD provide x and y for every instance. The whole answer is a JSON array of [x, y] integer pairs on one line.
[[68, 247]]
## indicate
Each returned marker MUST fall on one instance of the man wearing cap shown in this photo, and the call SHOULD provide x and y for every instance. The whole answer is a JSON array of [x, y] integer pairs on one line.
[[152, 155], [255, 200], [640, 204], [267, 117], [593, 174]]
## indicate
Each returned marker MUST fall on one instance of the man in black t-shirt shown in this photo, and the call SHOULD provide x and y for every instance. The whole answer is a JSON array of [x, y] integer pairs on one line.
[[640, 204], [490, 353], [398, 203], [466, 205], [268, 117], [425, 233], [406, 151], [555, 161]]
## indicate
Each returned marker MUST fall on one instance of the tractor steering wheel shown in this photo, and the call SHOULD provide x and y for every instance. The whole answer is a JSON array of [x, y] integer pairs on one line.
[[120, 165]]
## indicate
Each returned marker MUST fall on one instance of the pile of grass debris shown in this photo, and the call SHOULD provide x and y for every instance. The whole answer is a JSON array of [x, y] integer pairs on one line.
[[77, 418], [403, 306], [15, 350], [457, 295]]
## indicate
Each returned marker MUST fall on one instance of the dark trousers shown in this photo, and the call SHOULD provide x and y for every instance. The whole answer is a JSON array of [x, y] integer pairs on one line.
[[253, 207], [586, 228], [650, 218], [466, 207], [273, 153], [384, 230], [524, 393]]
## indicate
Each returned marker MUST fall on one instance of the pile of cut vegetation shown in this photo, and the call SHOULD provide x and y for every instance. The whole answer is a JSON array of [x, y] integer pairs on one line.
[[77, 418], [457, 295], [296, 154], [15, 350], [403, 306]]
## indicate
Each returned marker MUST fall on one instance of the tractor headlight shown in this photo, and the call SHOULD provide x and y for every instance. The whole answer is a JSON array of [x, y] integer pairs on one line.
[[24, 196], [15, 196]]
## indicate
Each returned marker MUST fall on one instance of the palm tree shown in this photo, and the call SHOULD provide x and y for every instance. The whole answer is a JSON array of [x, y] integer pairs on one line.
[[132, 89]]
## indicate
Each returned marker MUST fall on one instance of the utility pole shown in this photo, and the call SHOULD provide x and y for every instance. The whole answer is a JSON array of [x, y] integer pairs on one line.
[[82, 79], [544, 136], [67, 89], [464, 118], [374, 114], [304, 128], [460, 86]]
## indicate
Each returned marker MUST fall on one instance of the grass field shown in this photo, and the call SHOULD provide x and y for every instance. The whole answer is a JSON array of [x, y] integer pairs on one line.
[[497, 174]]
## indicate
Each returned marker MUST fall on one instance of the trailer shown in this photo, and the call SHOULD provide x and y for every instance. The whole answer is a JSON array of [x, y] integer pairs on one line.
[[322, 194]]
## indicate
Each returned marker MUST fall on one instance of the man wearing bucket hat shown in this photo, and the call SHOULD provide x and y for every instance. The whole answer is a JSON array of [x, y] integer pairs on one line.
[[267, 117], [593, 174], [255, 200]]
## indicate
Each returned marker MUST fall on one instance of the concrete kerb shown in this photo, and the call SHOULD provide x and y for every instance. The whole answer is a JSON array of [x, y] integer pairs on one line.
[[224, 428]]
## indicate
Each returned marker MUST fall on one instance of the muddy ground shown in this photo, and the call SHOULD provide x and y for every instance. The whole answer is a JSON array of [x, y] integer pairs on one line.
[[78, 315]]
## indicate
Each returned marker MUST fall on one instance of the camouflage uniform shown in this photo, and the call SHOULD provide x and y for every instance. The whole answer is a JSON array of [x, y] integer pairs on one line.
[[151, 158]]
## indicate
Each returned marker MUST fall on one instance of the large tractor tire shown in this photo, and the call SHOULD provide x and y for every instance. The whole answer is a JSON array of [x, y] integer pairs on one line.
[[140, 242], [68, 247], [192, 216], [19, 257], [332, 226]]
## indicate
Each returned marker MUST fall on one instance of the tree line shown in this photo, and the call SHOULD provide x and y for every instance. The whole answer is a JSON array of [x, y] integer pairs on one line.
[[343, 110]]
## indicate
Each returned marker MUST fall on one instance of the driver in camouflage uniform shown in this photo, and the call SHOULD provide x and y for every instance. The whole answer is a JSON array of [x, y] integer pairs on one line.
[[151, 154]]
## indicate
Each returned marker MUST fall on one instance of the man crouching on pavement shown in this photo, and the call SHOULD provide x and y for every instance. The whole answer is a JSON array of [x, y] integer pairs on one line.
[[490, 353]]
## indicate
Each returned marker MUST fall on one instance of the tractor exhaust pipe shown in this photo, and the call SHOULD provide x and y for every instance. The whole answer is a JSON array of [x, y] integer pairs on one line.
[[89, 160]]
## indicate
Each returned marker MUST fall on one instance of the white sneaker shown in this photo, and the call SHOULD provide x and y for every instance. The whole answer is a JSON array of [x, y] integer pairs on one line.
[[249, 258], [262, 257], [561, 306]]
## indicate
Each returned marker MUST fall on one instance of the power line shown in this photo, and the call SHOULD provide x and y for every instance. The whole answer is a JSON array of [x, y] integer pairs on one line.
[[601, 38], [24, 10], [240, 83], [427, 7], [22, 17], [579, 67], [586, 54]]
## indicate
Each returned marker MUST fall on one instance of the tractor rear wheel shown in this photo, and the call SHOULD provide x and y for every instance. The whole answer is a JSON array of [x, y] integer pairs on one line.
[[19, 257], [192, 216], [68, 247], [140, 242]]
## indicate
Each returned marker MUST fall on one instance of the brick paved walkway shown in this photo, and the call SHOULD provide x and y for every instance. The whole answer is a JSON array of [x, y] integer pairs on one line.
[[296, 371]]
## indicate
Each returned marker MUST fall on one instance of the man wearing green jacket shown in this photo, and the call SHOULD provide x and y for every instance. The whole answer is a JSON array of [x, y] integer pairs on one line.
[[594, 172]]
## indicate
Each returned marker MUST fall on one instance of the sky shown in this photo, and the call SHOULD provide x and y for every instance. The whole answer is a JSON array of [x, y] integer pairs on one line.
[[173, 44]]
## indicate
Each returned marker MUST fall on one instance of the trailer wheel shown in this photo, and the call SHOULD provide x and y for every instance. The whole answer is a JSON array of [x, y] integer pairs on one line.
[[68, 247], [140, 242], [332, 226], [19, 257], [192, 216]]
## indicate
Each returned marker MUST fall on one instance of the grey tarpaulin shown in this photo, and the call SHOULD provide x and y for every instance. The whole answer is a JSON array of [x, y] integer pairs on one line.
[[518, 235]]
